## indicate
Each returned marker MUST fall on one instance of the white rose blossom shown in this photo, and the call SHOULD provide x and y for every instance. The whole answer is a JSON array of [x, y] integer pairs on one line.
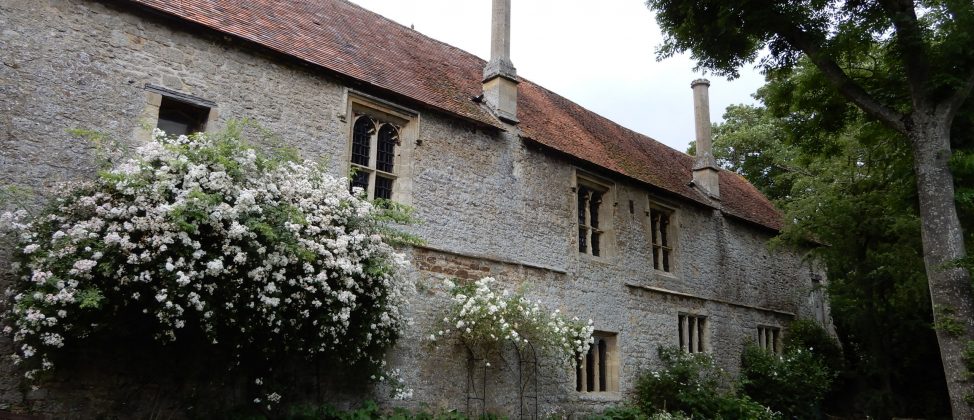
[[224, 239], [482, 315]]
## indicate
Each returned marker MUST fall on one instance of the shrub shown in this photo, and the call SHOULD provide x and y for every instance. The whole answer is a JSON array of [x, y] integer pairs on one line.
[[263, 256], [810, 335], [690, 384], [793, 384]]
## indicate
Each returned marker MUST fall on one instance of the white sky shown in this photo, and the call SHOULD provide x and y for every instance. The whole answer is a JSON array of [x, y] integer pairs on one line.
[[600, 54]]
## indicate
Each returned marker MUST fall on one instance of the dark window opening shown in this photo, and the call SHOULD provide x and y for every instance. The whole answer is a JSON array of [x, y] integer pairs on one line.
[[602, 364], [662, 249], [589, 235], [360, 179], [385, 156], [361, 140], [594, 201], [597, 370], [582, 240], [383, 187], [693, 338], [178, 118], [578, 372], [590, 369], [768, 338]]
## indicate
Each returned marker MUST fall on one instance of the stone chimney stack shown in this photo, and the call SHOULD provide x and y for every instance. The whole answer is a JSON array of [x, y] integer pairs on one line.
[[500, 77], [705, 166]]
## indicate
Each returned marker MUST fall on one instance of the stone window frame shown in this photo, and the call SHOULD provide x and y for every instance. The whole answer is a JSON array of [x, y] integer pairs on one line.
[[149, 116], [359, 104], [693, 332], [606, 214], [597, 372], [657, 204], [770, 338]]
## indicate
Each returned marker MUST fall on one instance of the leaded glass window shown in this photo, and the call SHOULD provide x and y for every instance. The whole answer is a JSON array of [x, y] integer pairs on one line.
[[362, 140], [373, 155]]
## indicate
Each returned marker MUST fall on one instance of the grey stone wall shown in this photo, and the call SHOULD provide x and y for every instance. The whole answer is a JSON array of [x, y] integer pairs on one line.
[[489, 204]]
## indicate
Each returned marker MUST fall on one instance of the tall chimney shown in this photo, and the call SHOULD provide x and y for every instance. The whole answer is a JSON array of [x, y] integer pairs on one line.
[[705, 166], [500, 77]]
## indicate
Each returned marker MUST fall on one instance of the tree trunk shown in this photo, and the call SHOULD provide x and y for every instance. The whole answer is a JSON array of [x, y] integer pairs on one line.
[[943, 244]]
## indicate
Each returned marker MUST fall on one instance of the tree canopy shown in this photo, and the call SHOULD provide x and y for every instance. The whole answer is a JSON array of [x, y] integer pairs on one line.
[[905, 64]]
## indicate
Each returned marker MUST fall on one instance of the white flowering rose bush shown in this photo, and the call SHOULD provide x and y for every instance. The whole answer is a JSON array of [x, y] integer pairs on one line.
[[205, 236], [484, 315]]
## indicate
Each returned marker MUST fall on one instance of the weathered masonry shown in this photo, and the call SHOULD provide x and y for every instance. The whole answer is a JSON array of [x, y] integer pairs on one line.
[[510, 179]]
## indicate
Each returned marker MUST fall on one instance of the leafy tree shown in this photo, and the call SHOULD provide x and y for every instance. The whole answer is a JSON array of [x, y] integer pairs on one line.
[[849, 184], [918, 73]]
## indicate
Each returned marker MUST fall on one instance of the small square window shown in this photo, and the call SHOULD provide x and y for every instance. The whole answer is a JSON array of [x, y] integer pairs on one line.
[[181, 118], [693, 333], [598, 370], [176, 113], [769, 338], [662, 229]]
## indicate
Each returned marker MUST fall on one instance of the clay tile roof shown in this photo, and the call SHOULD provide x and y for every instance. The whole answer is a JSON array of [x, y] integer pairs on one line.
[[352, 41]]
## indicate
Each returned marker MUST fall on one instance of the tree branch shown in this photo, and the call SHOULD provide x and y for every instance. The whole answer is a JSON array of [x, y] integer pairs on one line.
[[953, 104], [838, 77], [912, 47]]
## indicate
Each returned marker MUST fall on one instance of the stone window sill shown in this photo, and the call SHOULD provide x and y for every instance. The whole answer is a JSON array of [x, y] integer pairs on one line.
[[663, 275], [609, 396]]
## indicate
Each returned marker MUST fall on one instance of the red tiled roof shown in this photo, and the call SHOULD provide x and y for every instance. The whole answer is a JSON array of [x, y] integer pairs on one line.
[[347, 39]]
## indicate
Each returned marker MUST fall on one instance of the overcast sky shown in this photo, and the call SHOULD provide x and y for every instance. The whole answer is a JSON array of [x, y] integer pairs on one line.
[[600, 54]]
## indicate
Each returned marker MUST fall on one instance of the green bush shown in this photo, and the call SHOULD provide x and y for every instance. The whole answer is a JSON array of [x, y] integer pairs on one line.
[[690, 384], [793, 384], [796, 382], [810, 335], [631, 412], [368, 411]]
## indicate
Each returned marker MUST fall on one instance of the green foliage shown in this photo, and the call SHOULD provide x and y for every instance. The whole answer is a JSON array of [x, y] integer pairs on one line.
[[691, 384], [751, 144], [368, 411], [390, 217], [792, 384], [620, 412], [847, 82], [969, 357], [809, 335], [945, 319], [90, 299], [630, 412], [849, 185], [107, 149]]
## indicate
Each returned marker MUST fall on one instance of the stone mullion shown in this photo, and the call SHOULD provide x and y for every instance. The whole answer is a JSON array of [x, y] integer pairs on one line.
[[685, 337]]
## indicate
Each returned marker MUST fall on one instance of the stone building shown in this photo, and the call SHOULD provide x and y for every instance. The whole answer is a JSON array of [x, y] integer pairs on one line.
[[510, 179]]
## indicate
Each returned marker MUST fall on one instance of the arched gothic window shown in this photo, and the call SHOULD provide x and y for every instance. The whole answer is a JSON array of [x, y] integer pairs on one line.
[[373, 157]]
